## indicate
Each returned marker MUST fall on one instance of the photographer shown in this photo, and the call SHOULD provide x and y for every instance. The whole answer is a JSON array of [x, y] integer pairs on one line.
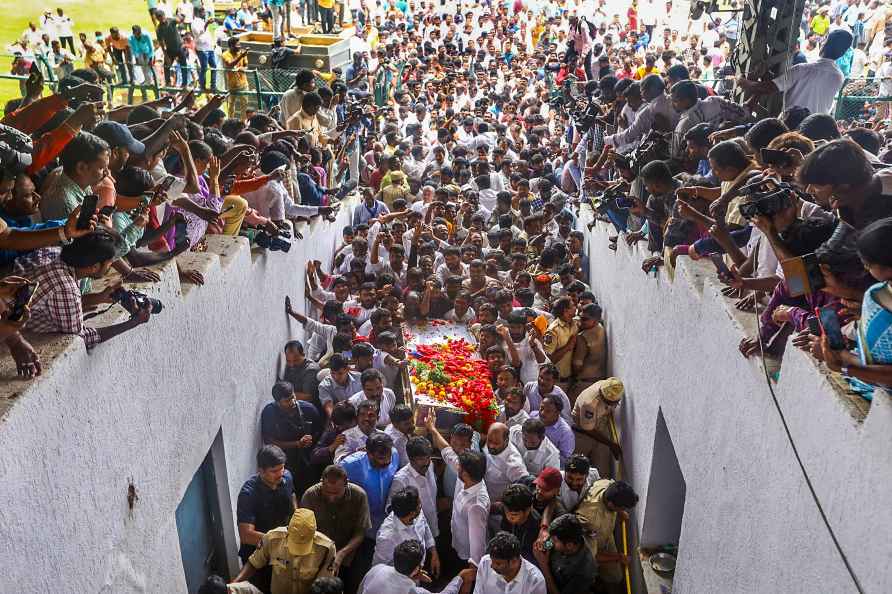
[[789, 236], [56, 306]]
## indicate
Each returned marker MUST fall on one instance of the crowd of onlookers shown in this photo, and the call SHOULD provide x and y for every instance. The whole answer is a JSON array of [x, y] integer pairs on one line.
[[473, 151]]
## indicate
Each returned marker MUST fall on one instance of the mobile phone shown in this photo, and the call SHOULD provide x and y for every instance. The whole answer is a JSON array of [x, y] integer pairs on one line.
[[830, 325], [774, 157], [720, 265], [22, 299], [88, 209], [814, 326], [106, 211], [803, 275], [166, 183]]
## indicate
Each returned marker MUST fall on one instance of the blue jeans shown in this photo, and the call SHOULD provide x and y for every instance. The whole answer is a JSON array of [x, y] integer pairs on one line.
[[708, 245], [619, 218], [205, 59]]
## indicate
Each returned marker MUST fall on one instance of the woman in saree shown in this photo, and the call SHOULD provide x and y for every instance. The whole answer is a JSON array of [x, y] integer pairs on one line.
[[870, 365]]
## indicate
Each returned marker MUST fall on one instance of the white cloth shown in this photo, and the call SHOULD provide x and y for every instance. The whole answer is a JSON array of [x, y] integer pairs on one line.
[[515, 421], [273, 201], [813, 85], [529, 579], [393, 532], [399, 442], [355, 441], [502, 469], [529, 366], [546, 454], [568, 496], [388, 399], [470, 512], [427, 492], [384, 579]]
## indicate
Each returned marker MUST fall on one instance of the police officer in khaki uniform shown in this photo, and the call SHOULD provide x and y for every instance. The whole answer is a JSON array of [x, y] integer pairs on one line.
[[590, 352], [297, 554], [606, 500], [591, 423], [560, 339]]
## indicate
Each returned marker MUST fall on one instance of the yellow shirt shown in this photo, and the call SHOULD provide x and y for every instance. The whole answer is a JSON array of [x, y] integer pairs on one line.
[[94, 57], [294, 575], [236, 79], [644, 71], [326, 3]]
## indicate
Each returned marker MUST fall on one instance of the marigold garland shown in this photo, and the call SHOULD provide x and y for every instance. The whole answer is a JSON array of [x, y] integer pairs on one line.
[[448, 372]]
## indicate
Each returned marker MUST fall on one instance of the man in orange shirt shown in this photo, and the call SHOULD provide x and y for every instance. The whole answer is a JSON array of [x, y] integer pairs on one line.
[[119, 46]]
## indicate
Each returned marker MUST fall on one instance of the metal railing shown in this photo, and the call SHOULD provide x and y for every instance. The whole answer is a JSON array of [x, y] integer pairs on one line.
[[264, 85], [859, 99]]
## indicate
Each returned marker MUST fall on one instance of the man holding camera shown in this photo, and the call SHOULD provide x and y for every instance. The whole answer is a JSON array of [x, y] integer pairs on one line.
[[56, 306]]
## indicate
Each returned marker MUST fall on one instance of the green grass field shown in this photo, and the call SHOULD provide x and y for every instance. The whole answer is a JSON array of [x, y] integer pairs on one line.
[[88, 17]]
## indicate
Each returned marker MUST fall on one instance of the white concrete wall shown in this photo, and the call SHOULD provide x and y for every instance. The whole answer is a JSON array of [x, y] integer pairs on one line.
[[749, 522], [145, 406]]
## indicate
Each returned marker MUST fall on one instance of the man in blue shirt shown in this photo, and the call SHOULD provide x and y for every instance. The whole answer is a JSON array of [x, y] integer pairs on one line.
[[368, 209], [294, 426], [373, 470], [144, 55]]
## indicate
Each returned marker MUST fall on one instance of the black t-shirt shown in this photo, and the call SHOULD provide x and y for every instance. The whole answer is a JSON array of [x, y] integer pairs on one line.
[[263, 507], [526, 533]]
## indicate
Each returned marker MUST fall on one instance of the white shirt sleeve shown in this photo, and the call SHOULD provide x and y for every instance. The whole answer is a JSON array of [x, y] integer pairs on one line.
[[789, 78], [477, 517]]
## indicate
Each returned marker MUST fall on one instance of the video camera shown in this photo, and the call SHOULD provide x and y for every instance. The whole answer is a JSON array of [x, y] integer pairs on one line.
[[767, 197], [611, 199], [133, 301], [273, 243]]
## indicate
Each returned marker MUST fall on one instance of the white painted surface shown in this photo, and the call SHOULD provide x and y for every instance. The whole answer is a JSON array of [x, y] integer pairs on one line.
[[146, 406], [749, 523]]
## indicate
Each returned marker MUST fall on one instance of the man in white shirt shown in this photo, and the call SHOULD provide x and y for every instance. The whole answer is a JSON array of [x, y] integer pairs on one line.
[[578, 477], [419, 473], [504, 571], [400, 429], [534, 447], [504, 464], [406, 573], [658, 113], [405, 522], [356, 437], [373, 389], [513, 411], [470, 507], [813, 85]]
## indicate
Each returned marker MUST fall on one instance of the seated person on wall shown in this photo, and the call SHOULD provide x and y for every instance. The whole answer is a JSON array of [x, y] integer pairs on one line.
[[57, 306]]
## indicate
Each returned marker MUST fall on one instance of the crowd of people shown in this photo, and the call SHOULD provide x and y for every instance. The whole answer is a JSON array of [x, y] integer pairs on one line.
[[477, 138]]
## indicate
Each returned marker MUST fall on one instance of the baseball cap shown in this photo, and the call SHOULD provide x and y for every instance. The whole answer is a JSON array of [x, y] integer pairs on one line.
[[550, 478], [301, 531], [117, 135]]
